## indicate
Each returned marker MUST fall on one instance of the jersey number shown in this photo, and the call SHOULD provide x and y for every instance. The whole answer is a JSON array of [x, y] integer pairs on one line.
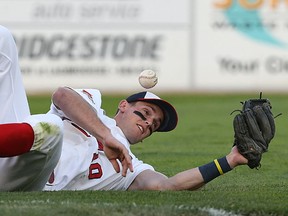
[[95, 169]]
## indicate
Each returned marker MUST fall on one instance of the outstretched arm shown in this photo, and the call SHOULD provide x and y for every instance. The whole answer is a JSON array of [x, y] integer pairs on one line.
[[80, 112], [191, 179]]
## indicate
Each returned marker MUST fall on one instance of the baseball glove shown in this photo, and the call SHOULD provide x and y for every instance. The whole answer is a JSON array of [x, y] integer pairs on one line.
[[254, 128]]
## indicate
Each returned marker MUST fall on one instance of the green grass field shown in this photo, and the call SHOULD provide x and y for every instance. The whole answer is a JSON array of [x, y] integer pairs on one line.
[[204, 133]]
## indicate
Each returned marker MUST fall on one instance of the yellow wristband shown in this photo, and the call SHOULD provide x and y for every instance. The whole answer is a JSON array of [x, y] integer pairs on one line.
[[218, 166]]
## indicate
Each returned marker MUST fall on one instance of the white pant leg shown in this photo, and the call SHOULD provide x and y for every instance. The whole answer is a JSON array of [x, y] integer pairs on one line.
[[13, 101], [31, 171]]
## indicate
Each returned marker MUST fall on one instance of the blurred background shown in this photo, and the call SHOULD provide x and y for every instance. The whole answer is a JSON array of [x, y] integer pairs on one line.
[[192, 45]]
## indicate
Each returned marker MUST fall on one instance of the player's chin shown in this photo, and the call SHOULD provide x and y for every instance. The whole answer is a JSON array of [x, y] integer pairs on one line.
[[133, 139], [136, 139]]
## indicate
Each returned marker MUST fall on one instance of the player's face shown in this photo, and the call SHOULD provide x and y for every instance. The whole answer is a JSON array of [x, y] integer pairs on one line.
[[139, 120]]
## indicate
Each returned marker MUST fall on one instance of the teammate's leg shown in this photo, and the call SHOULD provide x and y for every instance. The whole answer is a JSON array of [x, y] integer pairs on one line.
[[31, 170], [41, 135], [13, 101]]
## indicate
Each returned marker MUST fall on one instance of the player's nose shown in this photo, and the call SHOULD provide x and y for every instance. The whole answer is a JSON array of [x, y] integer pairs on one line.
[[147, 122]]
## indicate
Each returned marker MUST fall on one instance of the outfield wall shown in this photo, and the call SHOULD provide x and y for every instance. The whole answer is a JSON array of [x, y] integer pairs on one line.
[[193, 45]]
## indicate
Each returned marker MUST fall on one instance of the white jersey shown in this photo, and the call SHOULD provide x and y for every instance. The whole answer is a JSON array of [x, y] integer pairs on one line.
[[83, 164]]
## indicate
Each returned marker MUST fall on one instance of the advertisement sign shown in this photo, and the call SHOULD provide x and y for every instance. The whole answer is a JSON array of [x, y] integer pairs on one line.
[[211, 45], [100, 44], [241, 45]]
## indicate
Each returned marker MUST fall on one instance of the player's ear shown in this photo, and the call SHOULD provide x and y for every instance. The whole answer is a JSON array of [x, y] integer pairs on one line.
[[123, 105]]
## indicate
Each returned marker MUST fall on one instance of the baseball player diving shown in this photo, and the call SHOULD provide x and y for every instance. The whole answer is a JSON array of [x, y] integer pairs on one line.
[[75, 146]]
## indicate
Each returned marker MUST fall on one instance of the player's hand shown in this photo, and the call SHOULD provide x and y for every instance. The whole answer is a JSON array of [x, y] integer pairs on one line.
[[115, 150], [235, 158]]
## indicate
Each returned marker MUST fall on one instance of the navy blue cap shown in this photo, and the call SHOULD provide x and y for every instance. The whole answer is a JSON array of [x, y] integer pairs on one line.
[[170, 115]]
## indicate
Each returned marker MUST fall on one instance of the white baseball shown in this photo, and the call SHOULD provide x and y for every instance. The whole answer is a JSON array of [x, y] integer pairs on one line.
[[148, 79]]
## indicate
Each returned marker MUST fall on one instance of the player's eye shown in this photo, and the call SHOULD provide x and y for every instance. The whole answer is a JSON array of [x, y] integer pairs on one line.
[[156, 125], [146, 112]]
